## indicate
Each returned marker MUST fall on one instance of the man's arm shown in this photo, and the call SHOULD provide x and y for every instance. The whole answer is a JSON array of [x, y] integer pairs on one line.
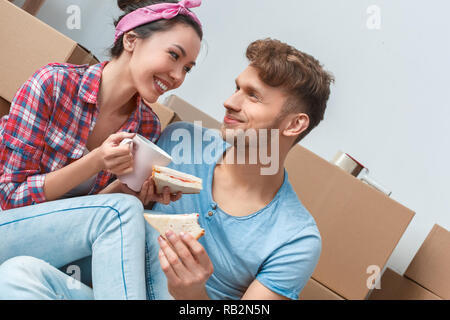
[[188, 267], [257, 291]]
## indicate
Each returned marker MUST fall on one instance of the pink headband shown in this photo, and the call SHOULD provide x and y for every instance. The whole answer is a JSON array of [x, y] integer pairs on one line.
[[155, 12]]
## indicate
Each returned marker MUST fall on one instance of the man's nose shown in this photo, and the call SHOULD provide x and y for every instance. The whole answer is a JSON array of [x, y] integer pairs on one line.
[[233, 102]]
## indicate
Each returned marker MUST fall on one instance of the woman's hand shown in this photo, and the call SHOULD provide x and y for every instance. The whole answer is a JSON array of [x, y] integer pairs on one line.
[[148, 193], [113, 157]]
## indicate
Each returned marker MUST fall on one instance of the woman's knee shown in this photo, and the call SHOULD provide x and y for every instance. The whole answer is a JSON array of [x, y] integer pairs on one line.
[[19, 272], [130, 207], [125, 203], [18, 266], [122, 210]]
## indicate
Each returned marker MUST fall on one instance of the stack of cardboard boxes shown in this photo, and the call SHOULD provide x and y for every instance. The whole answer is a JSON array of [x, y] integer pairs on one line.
[[428, 275], [27, 45], [360, 226]]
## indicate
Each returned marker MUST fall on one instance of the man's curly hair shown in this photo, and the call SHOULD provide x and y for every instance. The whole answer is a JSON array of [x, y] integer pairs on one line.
[[299, 74]]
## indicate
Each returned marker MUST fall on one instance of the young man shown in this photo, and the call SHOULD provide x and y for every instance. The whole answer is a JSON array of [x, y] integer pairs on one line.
[[260, 241]]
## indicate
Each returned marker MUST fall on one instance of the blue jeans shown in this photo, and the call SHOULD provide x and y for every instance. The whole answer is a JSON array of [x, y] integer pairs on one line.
[[38, 239]]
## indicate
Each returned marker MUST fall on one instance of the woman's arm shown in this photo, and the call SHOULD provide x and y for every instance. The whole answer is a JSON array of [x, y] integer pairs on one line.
[[22, 141], [61, 181], [147, 195], [110, 156], [24, 174]]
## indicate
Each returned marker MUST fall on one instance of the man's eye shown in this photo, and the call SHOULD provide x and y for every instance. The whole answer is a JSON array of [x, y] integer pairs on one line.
[[174, 55], [187, 69]]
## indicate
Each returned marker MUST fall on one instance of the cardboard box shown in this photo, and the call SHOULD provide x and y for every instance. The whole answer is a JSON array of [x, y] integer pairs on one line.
[[187, 112], [396, 287], [4, 107], [28, 44], [165, 114], [313, 290], [360, 226], [430, 266]]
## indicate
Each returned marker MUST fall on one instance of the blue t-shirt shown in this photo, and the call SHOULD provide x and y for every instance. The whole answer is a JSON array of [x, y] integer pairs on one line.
[[278, 245]]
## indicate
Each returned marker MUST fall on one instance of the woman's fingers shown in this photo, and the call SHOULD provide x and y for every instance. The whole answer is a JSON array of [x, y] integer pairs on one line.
[[121, 160], [114, 152], [124, 168], [175, 197], [150, 196], [143, 193], [118, 137], [166, 195]]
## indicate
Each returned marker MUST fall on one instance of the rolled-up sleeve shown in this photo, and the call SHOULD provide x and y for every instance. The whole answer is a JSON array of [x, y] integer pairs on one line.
[[289, 268], [22, 142]]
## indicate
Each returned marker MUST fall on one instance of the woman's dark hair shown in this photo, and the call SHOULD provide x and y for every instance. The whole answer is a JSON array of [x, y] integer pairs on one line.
[[148, 29]]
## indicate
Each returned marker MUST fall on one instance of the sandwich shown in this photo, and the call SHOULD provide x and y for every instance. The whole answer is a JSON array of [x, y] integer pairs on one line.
[[175, 180], [187, 223]]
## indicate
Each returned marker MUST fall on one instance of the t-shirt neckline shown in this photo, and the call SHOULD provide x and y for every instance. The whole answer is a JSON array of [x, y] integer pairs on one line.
[[227, 146]]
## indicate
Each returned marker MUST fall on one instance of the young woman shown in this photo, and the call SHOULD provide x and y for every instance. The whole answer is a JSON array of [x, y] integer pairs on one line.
[[61, 139]]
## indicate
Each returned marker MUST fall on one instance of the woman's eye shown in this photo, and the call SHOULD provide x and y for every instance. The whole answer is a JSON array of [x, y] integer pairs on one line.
[[187, 69]]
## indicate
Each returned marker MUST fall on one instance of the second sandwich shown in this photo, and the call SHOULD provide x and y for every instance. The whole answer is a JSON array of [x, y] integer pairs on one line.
[[175, 180]]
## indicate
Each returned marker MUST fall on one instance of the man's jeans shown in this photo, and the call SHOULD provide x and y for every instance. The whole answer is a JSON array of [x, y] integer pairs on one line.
[[38, 239]]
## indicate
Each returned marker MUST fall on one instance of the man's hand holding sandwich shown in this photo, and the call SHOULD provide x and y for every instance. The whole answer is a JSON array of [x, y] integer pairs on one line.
[[186, 265]]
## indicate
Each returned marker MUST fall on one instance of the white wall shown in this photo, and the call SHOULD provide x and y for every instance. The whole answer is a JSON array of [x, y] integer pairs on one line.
[[389, 107]]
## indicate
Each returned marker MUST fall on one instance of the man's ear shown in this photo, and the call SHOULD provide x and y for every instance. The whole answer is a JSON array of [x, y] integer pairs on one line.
[[129, 41], [296, 124]]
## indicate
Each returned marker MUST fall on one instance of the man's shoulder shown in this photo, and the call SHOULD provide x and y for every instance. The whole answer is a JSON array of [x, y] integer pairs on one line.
[[186, 131], [294, 212], [189, 126], [178, 125]]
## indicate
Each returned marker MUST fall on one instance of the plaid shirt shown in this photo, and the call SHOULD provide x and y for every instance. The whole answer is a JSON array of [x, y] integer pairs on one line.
[[47, 128]]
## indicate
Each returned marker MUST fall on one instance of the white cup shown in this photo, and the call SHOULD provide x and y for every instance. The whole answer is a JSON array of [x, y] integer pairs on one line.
[[145, 155]]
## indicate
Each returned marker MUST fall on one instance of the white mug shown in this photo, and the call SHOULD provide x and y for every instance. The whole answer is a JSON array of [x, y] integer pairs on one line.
[[145, 155]]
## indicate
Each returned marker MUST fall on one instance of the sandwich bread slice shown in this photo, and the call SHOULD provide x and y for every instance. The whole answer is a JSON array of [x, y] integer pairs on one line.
[[187, 223], [175, 180]]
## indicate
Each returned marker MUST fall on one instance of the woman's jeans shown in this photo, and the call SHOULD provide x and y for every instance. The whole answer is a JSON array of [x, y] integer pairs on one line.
[[37, 240]]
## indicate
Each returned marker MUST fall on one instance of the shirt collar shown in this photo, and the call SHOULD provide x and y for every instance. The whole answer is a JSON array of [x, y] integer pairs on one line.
[[90, 83], [134, 121], [89, 87]]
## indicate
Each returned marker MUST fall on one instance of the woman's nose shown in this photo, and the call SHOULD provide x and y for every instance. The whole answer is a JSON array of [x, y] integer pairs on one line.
[[177, 75]]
